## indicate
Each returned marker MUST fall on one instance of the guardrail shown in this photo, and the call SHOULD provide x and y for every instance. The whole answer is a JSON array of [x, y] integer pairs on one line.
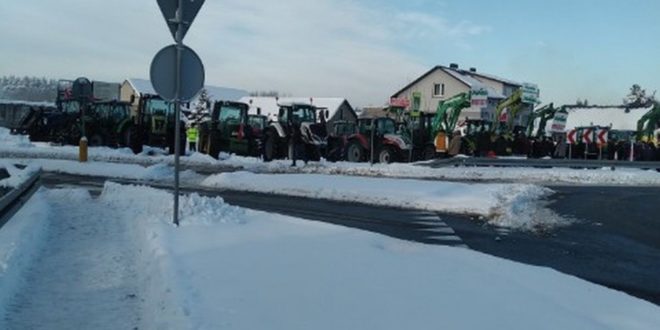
[[12, 201], [541, 163]]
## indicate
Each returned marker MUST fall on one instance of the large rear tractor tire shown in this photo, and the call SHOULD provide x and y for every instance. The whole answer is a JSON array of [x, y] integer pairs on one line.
[[354, 152], [96, 140], [213, 145], [429, 152], [270, 147]]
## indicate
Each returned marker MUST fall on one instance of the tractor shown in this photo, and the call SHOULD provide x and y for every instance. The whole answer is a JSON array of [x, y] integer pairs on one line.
[[231, 129], [377, 139], [155, 125], [104, 123], [296, 119]]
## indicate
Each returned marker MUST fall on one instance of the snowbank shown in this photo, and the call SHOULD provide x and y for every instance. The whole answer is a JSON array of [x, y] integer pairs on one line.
[[507, 205], [232, 268], [7, 139], [17, 176], [158, 172], [20, 240], [623, 177]]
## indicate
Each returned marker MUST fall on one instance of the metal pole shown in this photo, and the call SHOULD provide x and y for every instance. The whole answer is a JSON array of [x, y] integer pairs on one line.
[[373, 131], [177, 110], [411, 127]]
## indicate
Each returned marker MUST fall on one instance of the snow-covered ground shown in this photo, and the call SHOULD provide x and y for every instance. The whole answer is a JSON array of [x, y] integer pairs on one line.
[[227, 267], [517, 206], [18, 147], [16, 176]]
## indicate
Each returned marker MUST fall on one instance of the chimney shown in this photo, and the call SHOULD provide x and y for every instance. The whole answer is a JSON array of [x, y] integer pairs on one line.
[[473, 70], [453, 66]]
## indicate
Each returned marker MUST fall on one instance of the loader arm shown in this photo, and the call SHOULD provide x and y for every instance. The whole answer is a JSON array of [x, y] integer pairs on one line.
[[545, 113], [513, 103], [647, 124], [448, 113]]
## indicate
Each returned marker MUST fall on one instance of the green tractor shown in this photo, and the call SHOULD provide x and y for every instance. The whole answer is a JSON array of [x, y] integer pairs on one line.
[[232, 130], [155, 125], [103, 123]]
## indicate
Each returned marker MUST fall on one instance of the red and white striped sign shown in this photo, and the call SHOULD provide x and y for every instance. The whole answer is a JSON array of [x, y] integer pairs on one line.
[[603, 136], [570, 137], [587, 136]]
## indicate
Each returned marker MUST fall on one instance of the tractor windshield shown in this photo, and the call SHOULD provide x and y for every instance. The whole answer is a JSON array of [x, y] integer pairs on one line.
[[158, 107], [71, 107], [302, 114], [231, 115], [258, 122], [386, 126]]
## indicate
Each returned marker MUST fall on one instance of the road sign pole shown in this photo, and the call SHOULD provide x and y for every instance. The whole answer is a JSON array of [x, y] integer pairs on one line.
[[177, 110]]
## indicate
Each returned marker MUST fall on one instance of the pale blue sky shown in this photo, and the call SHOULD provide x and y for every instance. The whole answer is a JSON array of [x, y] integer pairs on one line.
[[363, 50]]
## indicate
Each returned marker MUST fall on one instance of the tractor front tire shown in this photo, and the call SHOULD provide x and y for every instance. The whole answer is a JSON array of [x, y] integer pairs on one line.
[[354, 152], [386, 155], [270, 147], [213, 145]]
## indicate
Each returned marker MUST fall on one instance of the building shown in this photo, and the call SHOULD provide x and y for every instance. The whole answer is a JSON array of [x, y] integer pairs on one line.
[[133, 89], [442, 83], [338, 108]]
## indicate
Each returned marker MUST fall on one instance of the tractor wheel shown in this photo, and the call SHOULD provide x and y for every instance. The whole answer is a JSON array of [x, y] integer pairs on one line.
[[213, 144], [270, 147], [429, 152], [132, 139], [354, 152], [386, 155], [291, 150], [96, 140]]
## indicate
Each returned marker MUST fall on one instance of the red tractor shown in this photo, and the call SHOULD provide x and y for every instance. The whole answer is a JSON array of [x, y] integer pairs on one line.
[[377, 140]]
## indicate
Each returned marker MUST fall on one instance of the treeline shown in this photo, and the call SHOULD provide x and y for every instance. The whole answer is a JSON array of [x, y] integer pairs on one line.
[[33, 89]]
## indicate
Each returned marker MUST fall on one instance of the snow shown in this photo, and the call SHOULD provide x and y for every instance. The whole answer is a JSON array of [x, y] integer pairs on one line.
[[16, 176], [159, 172], [506, 205], [228, 267], [7, 139], [618, 118], [20, 241], [553, 176]]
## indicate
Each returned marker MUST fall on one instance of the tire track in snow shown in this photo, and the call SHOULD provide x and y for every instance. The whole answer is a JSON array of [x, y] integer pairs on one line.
[[85, 277]]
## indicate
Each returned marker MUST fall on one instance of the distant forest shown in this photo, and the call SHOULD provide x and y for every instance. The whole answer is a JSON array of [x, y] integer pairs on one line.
[[33, 89]]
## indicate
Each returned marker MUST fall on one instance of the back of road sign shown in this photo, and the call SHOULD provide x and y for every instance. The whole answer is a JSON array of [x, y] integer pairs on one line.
[[163, 74], [190, 10]]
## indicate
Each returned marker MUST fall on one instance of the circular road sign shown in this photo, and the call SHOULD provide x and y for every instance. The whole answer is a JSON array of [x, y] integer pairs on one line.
[[164, 77]]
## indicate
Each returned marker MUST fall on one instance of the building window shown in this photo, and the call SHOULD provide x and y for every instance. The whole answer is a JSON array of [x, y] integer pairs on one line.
[[439, 90]]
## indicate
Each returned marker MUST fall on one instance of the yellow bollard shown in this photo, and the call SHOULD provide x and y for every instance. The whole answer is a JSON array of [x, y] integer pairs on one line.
[[82, 150]]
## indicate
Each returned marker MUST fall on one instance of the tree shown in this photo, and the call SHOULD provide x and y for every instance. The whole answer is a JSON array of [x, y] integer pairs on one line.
[[201, 109], [637, 98]]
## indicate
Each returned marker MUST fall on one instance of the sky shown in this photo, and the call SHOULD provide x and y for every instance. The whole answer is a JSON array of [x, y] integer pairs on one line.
[[362, 50]]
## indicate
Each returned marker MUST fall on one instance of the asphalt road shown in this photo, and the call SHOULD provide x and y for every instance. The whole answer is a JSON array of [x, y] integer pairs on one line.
[[615, 240]]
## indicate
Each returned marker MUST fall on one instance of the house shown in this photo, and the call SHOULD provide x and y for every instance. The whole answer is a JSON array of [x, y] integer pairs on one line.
[[134, 89], [338, 108], [442, 83]]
